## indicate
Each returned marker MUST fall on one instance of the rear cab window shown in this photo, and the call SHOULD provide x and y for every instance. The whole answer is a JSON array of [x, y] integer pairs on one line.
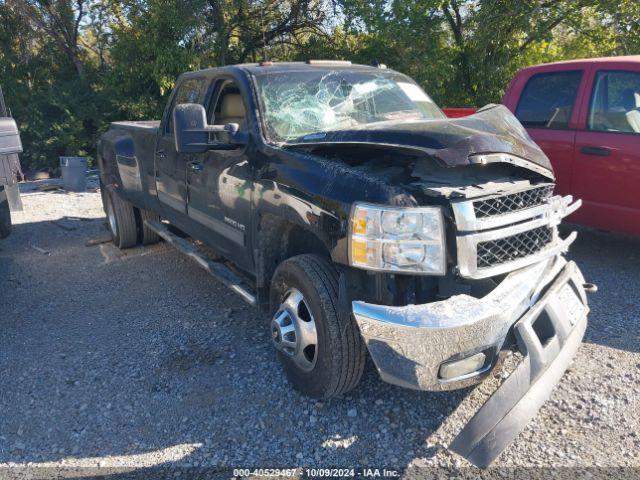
[[548, 99], [615, 102]]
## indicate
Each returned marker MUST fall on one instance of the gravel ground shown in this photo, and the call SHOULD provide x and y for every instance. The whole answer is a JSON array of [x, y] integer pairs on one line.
[[138, 359]]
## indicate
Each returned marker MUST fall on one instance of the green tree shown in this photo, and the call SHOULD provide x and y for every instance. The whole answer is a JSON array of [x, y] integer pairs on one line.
[[69, 67]]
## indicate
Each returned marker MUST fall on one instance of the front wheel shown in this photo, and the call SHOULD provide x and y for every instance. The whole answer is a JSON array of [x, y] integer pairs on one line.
[[322, 353]]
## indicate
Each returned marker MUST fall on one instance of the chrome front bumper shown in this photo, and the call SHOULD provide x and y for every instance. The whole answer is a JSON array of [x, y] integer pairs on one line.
[[548, 336], [545, 306], [409, 344]]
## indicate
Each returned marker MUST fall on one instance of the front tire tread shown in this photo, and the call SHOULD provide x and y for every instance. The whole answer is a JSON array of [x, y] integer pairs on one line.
[[344, 343]]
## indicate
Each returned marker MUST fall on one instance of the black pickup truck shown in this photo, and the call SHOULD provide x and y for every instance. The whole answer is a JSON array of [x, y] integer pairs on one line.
[[340, 200]]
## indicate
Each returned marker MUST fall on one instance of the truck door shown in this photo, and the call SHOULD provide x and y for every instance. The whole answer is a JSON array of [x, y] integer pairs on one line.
[[170, 165], [607, 152], [546, 108], [220, 182]]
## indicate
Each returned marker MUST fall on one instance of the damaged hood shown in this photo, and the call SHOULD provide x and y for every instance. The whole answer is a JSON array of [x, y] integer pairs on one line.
[[493, 129]]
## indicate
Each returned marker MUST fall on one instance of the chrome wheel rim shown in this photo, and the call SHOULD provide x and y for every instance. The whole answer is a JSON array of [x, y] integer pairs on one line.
[[293, 331], [111, 217]]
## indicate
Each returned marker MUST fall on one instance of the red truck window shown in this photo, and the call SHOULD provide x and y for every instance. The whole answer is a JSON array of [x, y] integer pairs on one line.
[[548, 98], [615, 103]]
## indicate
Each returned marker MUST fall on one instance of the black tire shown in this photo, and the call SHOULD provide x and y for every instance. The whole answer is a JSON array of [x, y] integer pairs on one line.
[[341, 353], [5, 215], [149, 237], [121, 220]]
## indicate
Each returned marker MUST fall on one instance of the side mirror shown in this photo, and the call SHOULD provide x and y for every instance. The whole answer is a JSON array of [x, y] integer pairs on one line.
[[193, 134], [9, 136]]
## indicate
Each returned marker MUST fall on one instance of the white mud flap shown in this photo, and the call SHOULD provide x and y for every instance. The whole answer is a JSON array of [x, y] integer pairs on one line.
[[13, 197]]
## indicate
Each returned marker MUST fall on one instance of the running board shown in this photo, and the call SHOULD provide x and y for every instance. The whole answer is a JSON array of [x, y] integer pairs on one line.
[[216, 269]]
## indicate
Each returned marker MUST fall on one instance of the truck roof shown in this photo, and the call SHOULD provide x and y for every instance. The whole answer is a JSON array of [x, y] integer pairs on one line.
[[586, 61], [284, 67]]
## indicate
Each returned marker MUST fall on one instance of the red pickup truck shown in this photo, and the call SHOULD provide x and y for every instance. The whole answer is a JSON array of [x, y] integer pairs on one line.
[[585, 115]]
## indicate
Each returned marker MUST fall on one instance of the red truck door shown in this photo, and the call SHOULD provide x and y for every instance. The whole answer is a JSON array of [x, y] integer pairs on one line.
[[606, 174], [544, 101]]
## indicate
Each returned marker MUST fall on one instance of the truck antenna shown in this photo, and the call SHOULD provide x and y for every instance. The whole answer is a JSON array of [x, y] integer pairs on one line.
[[265, 57]]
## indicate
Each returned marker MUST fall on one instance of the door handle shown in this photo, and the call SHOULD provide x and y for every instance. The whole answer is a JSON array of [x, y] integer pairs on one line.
[[195, 166], [161, 154], [597, 151]]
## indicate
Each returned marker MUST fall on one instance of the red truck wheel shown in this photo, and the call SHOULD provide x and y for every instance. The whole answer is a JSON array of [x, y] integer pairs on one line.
[[322, 353]]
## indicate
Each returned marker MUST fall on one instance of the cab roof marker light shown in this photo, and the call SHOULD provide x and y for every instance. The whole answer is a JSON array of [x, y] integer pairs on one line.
[[328, 62]]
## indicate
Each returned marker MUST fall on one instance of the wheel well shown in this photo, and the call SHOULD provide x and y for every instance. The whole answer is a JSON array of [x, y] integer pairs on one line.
[[278, 240], [299, 241]]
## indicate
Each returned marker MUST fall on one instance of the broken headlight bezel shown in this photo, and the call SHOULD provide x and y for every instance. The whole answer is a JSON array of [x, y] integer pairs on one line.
[[397, 239], [500, 157]]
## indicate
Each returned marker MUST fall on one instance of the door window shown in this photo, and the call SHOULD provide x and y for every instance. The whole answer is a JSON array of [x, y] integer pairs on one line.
[[615, 102], [190, 90], [229, 106], [548, 99]]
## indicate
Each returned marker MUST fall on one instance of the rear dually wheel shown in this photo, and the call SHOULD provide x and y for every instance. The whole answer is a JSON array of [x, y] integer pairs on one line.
[[121, 220]]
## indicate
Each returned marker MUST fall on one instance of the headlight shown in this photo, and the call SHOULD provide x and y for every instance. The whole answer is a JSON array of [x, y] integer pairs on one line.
[[397, 239]]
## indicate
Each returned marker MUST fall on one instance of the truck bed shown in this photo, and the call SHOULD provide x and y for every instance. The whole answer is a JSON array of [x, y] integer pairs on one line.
[[147, 125], [131, 147]]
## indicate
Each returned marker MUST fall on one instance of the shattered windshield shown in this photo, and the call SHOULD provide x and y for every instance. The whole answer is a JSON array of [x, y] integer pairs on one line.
[[299, 105]]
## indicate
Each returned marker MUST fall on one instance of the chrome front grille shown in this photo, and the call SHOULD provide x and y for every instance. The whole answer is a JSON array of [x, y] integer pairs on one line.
[[508, 249], [513, 202], [497, 234]]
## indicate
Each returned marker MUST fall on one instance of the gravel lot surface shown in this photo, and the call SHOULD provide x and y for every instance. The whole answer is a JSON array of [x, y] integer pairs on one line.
[[138, 359]]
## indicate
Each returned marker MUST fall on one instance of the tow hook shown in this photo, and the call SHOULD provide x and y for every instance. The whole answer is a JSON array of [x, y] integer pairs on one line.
[[590, 287]]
